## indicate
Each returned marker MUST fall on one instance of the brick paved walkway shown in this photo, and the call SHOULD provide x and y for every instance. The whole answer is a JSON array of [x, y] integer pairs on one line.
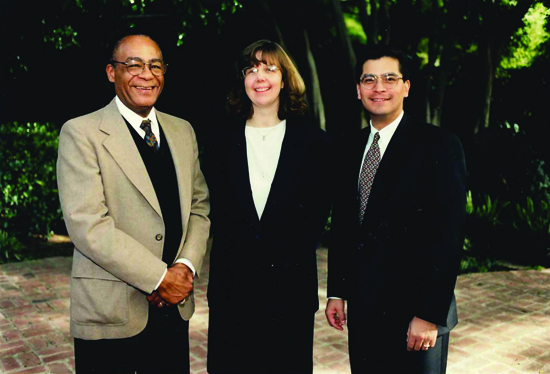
[[504, 322]]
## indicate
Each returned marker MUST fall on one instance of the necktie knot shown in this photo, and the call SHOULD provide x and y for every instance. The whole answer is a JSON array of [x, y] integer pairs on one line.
[[150, 138], [146, 125]]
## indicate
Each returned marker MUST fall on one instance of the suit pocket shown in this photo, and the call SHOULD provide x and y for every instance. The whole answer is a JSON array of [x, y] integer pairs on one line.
[[99, 301]]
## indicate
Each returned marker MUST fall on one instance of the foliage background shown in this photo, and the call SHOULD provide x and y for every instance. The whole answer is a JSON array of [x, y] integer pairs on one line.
[[480, 69]]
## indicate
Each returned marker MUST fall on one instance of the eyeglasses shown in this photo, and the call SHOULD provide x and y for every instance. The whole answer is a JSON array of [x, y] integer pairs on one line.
[[253, 70], [369, 81], [136, 66]]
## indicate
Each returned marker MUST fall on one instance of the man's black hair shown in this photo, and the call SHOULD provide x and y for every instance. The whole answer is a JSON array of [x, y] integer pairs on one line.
[[377, 52]]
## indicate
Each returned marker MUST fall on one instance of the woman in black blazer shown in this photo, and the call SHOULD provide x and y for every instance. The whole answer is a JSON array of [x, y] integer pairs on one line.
[[267, 175]]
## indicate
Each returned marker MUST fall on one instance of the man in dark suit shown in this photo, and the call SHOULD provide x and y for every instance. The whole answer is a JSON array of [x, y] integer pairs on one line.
[[397, 230], [135, 204]]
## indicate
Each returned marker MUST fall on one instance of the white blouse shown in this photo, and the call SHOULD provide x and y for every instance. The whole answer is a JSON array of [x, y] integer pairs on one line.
[[263, 148]]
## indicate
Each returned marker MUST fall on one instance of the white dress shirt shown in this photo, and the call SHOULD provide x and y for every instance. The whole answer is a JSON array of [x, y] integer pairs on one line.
[[135, 119], [385, 136]]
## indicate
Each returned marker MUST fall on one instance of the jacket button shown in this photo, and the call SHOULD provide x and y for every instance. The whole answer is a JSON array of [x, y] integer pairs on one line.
[[158, 237]]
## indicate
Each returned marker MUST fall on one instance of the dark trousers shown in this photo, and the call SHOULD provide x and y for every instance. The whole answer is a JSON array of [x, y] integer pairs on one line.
[[381, 348], [162, 347], [260, 344]]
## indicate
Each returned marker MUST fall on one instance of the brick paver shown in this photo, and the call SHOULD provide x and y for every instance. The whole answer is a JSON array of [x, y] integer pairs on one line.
[[34, 309], [504, 322]]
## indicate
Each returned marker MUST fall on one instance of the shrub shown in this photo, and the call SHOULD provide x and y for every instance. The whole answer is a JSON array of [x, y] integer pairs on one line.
[[29, 205], [533, 225], [487, 235], [503, 163], [497, 232], [10, 248]]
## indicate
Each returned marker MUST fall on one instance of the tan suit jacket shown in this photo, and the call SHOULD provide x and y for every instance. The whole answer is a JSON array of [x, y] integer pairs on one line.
[[114, 219]]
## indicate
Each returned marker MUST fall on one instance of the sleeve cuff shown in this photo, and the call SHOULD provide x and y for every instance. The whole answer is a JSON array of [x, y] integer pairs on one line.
[[188, 263], [161, 279]]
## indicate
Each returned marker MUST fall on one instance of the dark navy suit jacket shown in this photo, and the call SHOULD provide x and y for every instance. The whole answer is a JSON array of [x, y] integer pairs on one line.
[[268, 264], [402, 261]]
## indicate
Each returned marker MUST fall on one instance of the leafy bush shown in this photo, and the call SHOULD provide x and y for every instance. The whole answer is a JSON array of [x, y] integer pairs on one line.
[[505, 171], [29, 205], [487, 233], [535, 218], [533, 226], [495, 232], [478, 262], [487, 209], [503, 163], [10, 248]]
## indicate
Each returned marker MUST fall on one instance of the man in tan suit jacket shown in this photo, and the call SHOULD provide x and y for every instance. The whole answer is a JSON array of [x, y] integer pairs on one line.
[[135, 204]]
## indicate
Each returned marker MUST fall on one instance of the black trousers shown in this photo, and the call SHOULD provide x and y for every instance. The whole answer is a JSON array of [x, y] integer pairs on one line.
[[260, 344], [381, 348], [162, 347]]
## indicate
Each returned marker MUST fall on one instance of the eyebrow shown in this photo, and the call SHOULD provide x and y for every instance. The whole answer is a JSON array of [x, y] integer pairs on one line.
[[139, 58], [378, 75]]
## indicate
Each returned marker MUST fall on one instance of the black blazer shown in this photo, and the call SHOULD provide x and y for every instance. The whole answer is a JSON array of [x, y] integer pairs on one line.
[[268, 264], [403, 260]]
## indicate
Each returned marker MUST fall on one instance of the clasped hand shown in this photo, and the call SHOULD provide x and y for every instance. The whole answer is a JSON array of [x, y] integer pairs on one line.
[[421, 335], [174, 288], [335, 313]]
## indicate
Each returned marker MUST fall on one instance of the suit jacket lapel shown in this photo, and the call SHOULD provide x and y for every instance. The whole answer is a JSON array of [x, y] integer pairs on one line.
[[288, 168], [392, 160], [360, 151], [121, 146], [179, 147]]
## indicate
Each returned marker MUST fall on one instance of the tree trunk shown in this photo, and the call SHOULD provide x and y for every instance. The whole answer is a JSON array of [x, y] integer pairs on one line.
[[318, 108], [387, 21], [364, 18], [491, 46], [438, 74], [349, 119], [439, 89], [487, 68], [490, 74], [269, 16], [343, 33], [372, 36]]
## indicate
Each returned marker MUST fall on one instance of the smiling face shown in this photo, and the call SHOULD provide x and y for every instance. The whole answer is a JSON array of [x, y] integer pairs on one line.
[[383, 104], [264, 87], [140, 92]]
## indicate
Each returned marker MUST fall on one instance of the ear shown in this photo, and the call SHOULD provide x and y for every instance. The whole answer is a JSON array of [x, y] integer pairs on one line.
[[407, 87], [358, 91], [110, 73]]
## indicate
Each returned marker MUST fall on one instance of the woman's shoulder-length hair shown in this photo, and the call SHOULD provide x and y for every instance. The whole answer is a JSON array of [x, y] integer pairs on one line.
[[292, 95]]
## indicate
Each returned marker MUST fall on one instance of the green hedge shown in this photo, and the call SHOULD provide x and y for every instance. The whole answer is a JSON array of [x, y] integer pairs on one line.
[[501, 234], [29, 206]]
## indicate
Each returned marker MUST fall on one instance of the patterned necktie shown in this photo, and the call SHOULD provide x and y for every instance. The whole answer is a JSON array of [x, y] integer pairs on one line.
[[150, 138], [370, 165]]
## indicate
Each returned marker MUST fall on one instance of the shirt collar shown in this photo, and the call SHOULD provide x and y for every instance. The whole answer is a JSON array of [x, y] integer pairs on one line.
[[135, 119], [387, 131]]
